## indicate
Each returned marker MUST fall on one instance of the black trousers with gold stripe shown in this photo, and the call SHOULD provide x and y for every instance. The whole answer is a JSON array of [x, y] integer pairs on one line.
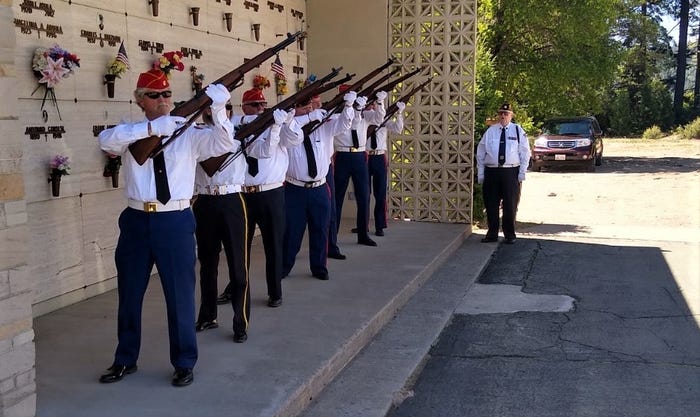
[[222, 220]]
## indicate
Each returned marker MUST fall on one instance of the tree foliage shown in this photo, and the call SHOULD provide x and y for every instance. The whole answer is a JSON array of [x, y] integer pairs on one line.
[[554, 57], [611, 58]]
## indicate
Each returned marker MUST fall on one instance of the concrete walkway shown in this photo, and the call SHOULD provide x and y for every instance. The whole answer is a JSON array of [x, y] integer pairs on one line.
[[292, 352]]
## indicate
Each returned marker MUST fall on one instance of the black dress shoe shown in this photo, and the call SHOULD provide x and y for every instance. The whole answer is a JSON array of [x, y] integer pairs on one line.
[[367, 242], [379, 232], [337, 256], [206, 325], [240, 337], [224, 298], [182, 377], [509, 240], [116, 372], [323, 276], [489, 240], [274, 303]]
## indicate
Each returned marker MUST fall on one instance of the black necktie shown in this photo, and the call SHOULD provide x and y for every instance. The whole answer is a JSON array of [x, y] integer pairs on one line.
[[161, 177], [252, 165], [355, 139], [373, 139], [502, 147], [310, 158]]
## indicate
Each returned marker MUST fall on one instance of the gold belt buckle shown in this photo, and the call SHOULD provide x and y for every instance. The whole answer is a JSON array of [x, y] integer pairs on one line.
[[354, 149], [309, 184], [150, 207], [252, 189]]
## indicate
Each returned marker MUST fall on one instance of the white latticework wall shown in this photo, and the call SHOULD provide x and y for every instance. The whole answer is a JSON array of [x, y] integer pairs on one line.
[[431, 162]]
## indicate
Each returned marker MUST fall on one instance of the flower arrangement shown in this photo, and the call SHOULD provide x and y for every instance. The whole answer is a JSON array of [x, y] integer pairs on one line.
[[260, 82], [54, 64], [303, 83], [281, 85], [169, 61], [116, 67], [59, 165]]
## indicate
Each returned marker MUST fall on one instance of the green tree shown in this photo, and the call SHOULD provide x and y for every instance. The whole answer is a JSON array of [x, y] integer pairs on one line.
[[554, 57]]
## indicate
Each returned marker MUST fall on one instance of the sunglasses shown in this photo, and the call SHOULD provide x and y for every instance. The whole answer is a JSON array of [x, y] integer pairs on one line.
[[154, 95], [256, 104]]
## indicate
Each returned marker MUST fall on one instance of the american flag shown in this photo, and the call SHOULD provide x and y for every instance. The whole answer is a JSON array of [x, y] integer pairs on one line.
[[121, 55], [278, 69]]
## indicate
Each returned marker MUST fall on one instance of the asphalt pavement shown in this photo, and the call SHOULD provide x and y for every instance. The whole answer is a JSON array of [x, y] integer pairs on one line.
[[570, 327]]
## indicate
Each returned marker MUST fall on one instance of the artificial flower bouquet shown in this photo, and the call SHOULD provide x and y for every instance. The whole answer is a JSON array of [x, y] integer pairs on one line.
[[59, 165], [51, 65], [169, 61]]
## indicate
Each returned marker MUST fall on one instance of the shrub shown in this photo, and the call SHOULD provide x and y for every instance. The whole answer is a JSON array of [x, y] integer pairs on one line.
[[653, 132], [691, 130]]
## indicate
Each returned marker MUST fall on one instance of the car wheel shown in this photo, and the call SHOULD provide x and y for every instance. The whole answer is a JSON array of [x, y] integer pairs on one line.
[[599, 159], [534, 166]]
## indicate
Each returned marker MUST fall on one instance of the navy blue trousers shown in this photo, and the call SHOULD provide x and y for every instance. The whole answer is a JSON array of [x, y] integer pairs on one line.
[[304, 206], [166, 240], [353, 165], [377, 165]]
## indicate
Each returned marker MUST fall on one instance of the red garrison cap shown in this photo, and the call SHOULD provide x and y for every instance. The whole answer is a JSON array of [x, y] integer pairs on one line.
[[254, 95], [153, 79]]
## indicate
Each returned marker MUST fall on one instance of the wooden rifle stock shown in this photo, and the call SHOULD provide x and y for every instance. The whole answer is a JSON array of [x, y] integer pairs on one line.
[[151, 146], [258, 126], [372, 129]]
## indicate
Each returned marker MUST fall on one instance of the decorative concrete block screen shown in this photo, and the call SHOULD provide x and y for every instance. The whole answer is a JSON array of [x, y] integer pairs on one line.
[[431, 163]]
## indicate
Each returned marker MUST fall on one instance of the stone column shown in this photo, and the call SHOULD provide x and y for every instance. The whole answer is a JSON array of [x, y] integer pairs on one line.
[[17, 360]]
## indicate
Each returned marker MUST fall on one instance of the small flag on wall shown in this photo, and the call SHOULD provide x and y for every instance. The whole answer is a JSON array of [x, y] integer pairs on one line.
[[121, 55], [278, 69]]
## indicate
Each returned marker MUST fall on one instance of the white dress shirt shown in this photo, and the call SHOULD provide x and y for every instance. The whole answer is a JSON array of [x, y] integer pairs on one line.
[[273, 170], [181, 156], [322, 144], [360, 122], [517, 152], [392, 126]]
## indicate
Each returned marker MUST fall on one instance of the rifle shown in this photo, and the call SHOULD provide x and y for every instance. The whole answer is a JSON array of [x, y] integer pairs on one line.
[[334, 104], [373, 87], [151, 146], [372, 129], [388, 87], [258, 126]]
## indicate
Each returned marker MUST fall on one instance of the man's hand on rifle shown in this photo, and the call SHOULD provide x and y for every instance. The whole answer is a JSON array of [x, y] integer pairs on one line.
[[317, 115], [381, 96], [361, 102], [219, 96], [349, 98], [280, 116], [401, 106], [165, 125]]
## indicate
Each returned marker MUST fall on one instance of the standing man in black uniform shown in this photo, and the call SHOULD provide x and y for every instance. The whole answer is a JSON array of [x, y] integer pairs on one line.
[[502, 157]]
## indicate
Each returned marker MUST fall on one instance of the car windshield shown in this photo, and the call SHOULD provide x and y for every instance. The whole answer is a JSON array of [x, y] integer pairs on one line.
[[567, 128]]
